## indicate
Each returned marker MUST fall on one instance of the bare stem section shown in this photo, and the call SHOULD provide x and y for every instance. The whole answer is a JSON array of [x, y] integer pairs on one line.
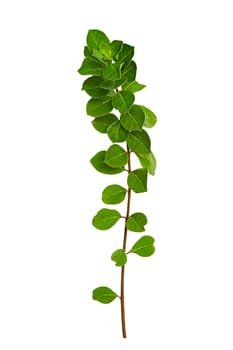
[[122, 297]]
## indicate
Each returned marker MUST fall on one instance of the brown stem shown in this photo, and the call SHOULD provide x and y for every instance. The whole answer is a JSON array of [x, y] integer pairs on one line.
[[122, 297]]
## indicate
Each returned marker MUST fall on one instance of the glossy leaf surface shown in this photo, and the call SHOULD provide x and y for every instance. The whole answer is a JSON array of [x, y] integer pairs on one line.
[[104, 295], [105, 218], [113, 194]]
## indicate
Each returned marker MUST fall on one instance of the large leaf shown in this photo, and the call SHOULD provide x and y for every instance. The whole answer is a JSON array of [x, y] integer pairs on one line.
[[99, 164], [113, 194], [116, 46], [112, 72], [129, 72], [98, 107], [123, 100], [133, 119], [136, 222], [93, 87], [120, 257], [117, 133], [133, 86], [148, 161], [90, 67], [137, 180], [126, 54], [144, 246], [105, 218], [139, 141], [116, 156], [104, 295], [150, 117], [96, 38], [102, 124]]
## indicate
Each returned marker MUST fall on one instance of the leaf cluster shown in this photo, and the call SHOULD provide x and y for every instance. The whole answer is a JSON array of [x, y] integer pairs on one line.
[[111, 85]]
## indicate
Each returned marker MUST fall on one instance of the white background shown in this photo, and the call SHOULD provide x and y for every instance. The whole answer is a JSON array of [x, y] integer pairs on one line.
[[50, 256]]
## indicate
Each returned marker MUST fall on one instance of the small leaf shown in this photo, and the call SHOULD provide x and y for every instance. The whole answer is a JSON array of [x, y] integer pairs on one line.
[[112, 72], [133, 119], [117, 133], [120, 257], [133, 86], [116, 156], [90, 67], [98, 163], [102, 124], [98, 107], [137, 180], [123, 100], [126, 54], [139, 141], [150, 117], [95, 38], [87, 52], [116, 46], [104, 295], [105, 218], [113, 194], [93, 87], [144, 246], [129, 72], [147, 161], [136, 222]]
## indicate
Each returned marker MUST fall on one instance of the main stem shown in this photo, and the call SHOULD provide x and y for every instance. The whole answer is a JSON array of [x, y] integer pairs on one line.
[[122, 296]]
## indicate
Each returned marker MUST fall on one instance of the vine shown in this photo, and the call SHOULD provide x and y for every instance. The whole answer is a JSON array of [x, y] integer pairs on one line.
[[112, 85]]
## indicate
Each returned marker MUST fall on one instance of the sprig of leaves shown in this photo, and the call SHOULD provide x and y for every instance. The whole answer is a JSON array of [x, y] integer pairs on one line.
[[111, 86]]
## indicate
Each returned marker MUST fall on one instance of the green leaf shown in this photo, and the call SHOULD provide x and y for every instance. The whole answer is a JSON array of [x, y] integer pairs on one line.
[[99, 164], [113, 194], [104, 295], [105, 218], [133, 86], [87, 52], [90, 67], [93, 87], [136, 222], [126, 54], [116, 46], [118, 83], [129, 72], [137, 180], [123, 100], [95, 38], [112, 72], [144, 246], [98, 107], [107, 84], [120, 257], [116, 156], [150, 117], [139, 141], [106, 51], [133, 119], [147, 161], [99, 56], [117, 133], [102, 124]]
